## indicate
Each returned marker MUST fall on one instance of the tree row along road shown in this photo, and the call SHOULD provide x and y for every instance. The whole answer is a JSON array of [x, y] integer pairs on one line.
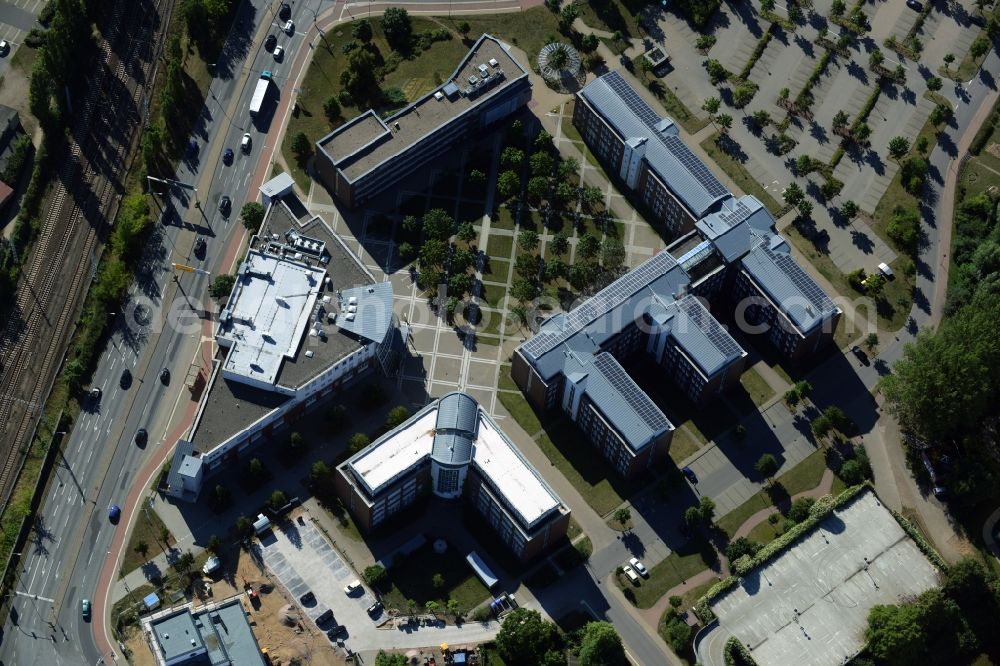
[[51, 289]]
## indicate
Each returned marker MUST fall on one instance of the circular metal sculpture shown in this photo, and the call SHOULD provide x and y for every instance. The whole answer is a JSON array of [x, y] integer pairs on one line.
[[559, 63]]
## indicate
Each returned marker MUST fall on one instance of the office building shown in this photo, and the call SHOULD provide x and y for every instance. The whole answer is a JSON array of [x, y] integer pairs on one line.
[[368, 155], [304, 320], [215, 635], [453, 449]]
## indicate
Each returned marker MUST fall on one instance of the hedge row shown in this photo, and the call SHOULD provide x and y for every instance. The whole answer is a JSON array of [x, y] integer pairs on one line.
[[925, 547], [814, 77], [985, 132], [736, 654], [823, 507], [757, 52], [865, 110]]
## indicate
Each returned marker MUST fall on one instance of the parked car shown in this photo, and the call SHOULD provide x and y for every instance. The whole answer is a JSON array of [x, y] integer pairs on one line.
[[227, 156], [270, 42], [914, 5], [289, 27], [4, 47], [85, 609], [114, 514], [308, 598], [689, 473], [335, 631], [630, 573], [284, 11], [937, 469], [141, 436], [860, 354], [375, 609], [639, 567], [352, 587], [225, 205]]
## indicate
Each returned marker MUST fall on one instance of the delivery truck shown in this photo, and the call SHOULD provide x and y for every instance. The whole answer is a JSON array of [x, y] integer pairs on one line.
[[260, 93]]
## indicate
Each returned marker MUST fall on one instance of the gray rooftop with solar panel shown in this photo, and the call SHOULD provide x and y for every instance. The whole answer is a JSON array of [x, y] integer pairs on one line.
[[672, 161], [737, 232], [809, 605]]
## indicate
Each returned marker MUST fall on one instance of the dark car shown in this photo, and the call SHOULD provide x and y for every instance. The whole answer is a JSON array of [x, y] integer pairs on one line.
[[199, 247], [691, 476], [375, 609], [862, 356], [85, 609], [270, 42], [913, 4], [227, 157], [126, 379], [141, 436], [335, 632], [284, 11], [114, 514], [165, 376], [308, 598], [192, 148], [225, 205]]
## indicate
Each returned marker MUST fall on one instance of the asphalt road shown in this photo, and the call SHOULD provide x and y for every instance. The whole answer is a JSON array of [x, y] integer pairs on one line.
[[100, 457]]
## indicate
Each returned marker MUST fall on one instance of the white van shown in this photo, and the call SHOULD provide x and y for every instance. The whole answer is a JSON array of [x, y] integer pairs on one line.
[[630, 573], [885, 270]]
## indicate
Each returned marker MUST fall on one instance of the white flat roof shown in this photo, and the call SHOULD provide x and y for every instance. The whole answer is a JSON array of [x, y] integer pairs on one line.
[[516, 480], [378, 465], [493, 455], [809, 606], [271, 307]]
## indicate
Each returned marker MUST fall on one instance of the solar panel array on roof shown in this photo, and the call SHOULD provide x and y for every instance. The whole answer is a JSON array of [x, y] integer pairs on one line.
[[683, 172], [601, 303], [631, 98], [639, 401], [805, 284], [710, 326]]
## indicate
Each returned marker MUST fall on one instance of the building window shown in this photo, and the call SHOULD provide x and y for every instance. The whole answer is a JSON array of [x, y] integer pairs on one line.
[[447, 480]]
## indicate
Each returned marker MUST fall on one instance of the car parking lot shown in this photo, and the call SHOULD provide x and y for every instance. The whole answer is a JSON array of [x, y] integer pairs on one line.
[[299, 557], [303, 561], [17, 18]]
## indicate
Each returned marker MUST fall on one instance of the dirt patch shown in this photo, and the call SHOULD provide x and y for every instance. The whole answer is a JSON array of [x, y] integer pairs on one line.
[[277, 622], [994, 150]]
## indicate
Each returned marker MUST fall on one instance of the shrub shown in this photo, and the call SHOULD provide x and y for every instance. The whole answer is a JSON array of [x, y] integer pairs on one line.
[[358, 441], [741, 546], [799, 510], [375, 575], [904, 228]]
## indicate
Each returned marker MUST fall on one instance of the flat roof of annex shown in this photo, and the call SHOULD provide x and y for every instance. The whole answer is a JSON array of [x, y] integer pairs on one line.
[[367, 141]]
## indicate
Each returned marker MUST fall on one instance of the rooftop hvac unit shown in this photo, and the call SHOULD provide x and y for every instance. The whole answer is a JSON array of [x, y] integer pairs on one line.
[[329, 283], [332, 317], [439, 96], [353, 300], [312, 332], [352, 308], [309, 353], [396, 125], [494, 63], [326, 299], [484, 71], [349, 316]]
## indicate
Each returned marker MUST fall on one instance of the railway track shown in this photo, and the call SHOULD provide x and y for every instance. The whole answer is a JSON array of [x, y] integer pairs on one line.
[[33, 343]]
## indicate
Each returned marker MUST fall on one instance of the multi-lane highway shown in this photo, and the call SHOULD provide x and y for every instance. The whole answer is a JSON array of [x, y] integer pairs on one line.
[[100, 458]]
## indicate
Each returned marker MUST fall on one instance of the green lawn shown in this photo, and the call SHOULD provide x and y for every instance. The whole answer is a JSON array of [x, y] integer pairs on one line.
[[413, 578], [739, 174], [758, 389], [683, 445], [521, 411], [528, 30], [685, 562], [504, 219], [499, 246], [497, 269], [414, 77], [804, 476], [504, 381], [610, 16], [493, 294], [147, 529]]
